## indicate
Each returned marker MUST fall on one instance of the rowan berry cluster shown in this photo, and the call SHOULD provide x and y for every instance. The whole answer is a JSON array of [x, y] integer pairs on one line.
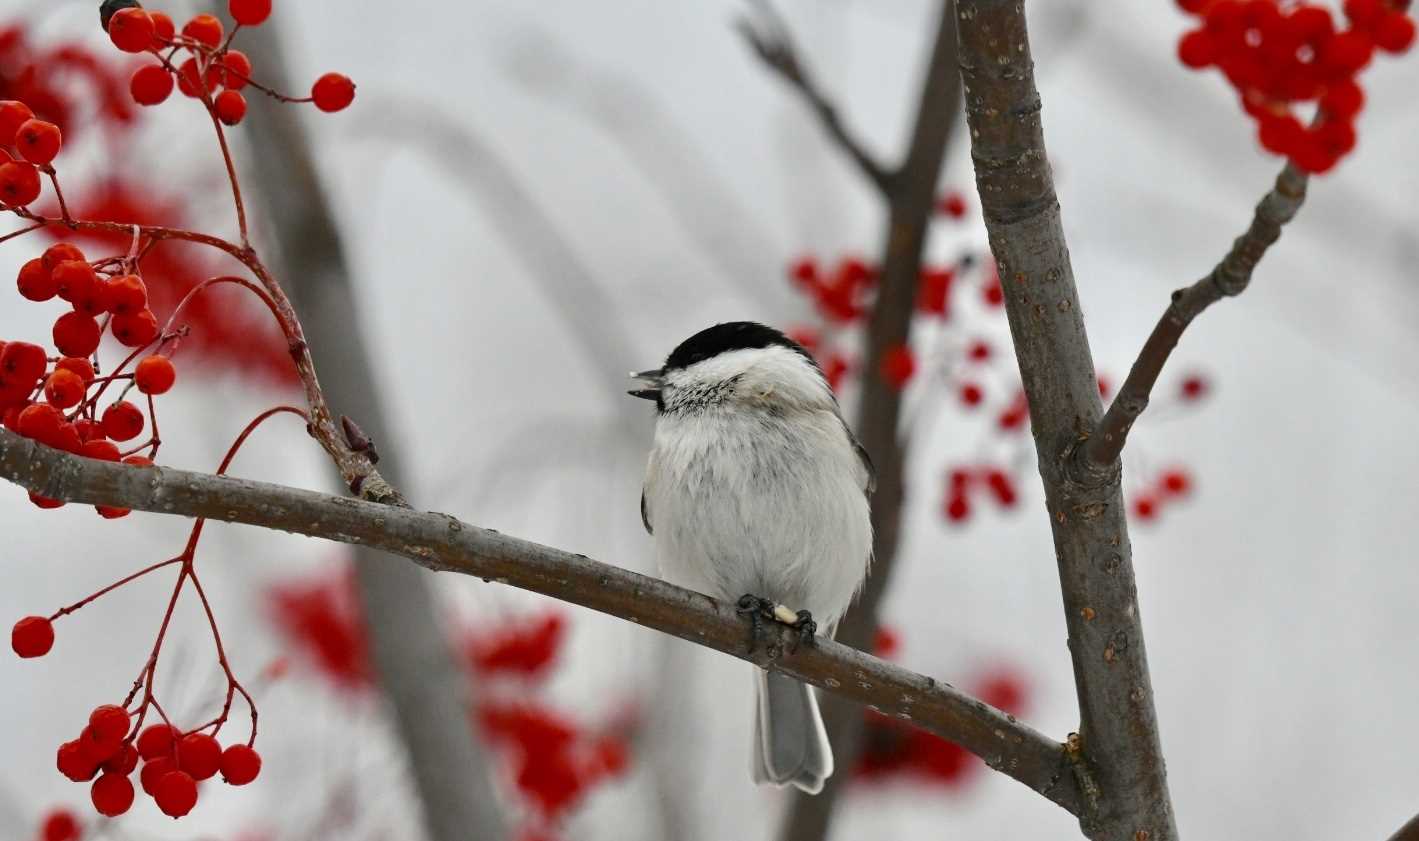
[[554, 761], [110, 749], [59, 400], [1279, 54], [212, 71]]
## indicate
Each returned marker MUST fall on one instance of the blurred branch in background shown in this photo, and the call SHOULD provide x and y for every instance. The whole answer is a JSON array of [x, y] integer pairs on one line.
[[1119, 750], [427, 692], [909, 192], [668, 157], [444, 544], [1408, 832]]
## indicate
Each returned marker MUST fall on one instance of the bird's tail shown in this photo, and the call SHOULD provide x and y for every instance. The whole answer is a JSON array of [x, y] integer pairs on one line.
[[790, 743]]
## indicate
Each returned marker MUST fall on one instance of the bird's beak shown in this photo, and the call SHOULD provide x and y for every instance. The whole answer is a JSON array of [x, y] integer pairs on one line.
[[654, 380]]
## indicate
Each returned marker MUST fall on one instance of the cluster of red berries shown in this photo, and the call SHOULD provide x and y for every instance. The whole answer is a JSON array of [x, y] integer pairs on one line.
[[34, 142], [1278, 53], [213, 72], [962, 483], [840, 293], [1170, 486], [109, 751], [55, 400]]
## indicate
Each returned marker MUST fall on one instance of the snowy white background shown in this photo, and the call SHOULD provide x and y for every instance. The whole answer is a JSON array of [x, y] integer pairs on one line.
[[1279, 601]]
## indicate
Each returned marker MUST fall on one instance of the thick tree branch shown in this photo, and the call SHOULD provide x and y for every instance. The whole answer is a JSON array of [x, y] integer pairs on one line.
[[441, 543], [770, 40], [1119, 746], [910, 205], [1229, 278]]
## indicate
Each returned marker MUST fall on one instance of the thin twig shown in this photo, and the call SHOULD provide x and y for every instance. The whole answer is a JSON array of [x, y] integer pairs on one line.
[[768, 36], [1229, 278], [442, 543]]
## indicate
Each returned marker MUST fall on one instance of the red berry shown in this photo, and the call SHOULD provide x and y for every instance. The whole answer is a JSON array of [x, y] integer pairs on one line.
[[38, 141], [60, 825], [132, 30], [74, 280], [46, 504], [109, 723], [34, 281], [123, 762], [136, 330], [1004, 692], [1281, 135], [240, 765], [1364, 13], [1343, 100], [189, 79], [1347, 52], [199, 755], [979, 351], [993, 294], [1198, 49], [156, 740], [898, 366], [40, 422], [163, 29], [1002, 486], [804, 271], [32, 637], [1310, 24], [230, 107], [138, 461], [971, 394], [958, 508], [176, 794], [64, 389], [1336, 138], [204, 29], [100, 450], [236, 72], [155, 375], [75, 762], [61, 252], [78, 366], [1395, 32], [19, 184], [885, 642], [1145, 507], [250, 12], [151, 84], [22, 364], [13, 114], [1193, 387], [76, 334], [153, 772], [128, 295], [1176, 482], [112, 794], [953, 204], [122, 421], [333, 92]]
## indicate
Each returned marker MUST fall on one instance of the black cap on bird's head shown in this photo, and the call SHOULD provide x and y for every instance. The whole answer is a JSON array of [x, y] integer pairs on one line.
[[711, 342]]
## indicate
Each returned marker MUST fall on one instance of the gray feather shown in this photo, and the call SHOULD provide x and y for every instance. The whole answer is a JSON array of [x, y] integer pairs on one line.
[[791, 744]]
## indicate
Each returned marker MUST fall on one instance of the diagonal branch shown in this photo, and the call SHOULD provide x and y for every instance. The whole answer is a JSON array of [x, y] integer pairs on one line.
[[1120, 749], [769, 38], [1408, 832], [1229, 278], [441, 543]]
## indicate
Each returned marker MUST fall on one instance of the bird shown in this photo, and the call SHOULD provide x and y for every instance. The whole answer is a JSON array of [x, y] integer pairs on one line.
[[757, 492]]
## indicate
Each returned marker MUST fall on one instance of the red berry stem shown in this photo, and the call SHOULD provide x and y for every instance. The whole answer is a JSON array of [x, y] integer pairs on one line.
[[21, 232], [48, 169], [84, 602]]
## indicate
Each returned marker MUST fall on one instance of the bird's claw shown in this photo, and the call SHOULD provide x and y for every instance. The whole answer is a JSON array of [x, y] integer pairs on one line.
[[759, 609]]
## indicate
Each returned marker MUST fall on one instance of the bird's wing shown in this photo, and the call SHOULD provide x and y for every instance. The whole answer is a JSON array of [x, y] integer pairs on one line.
[[868, 476], [645, 514]]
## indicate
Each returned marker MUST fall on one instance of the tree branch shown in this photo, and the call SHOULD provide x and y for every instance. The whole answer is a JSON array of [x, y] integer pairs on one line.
[[441, 543], [770, 40], [1229, 278], [1120, 748], [910, 205], [1408, 832]]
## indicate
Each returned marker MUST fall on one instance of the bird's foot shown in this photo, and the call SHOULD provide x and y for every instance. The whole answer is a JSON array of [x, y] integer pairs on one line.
[[760, 609]]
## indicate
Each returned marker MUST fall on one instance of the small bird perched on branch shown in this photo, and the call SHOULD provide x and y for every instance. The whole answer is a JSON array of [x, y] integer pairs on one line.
[[757, 492]]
